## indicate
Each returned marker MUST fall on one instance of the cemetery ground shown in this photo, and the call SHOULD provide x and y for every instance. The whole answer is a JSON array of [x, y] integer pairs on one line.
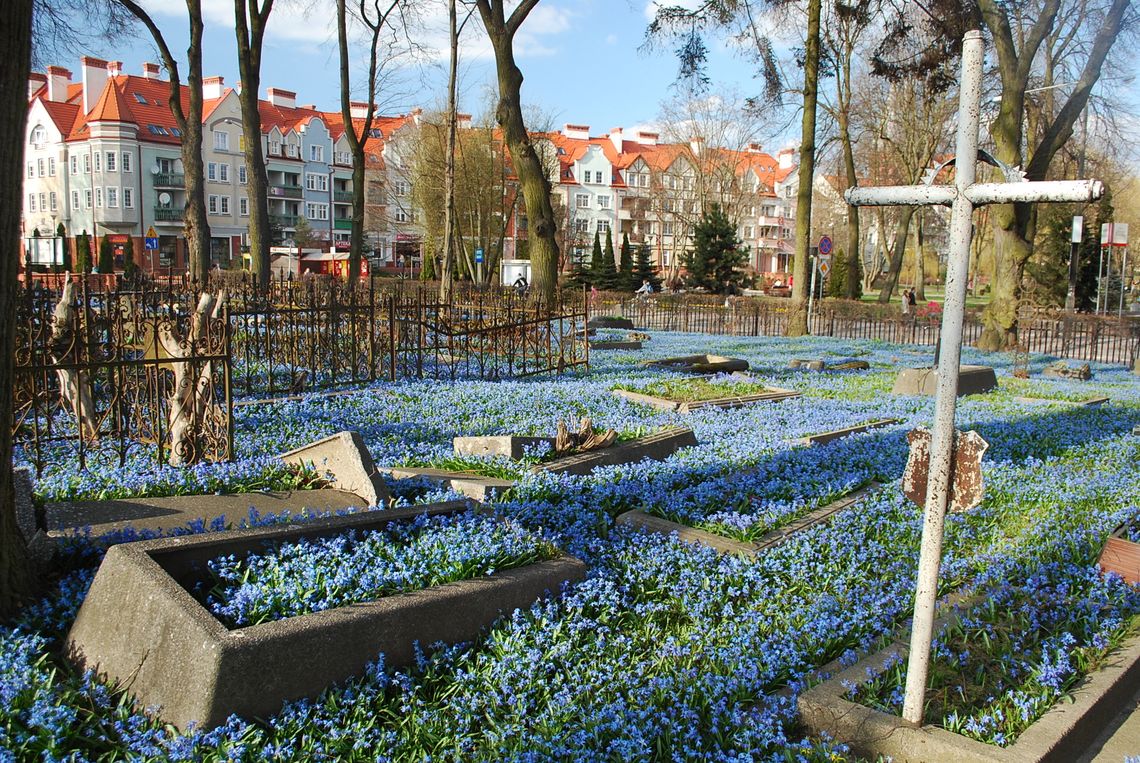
[[667, 650]]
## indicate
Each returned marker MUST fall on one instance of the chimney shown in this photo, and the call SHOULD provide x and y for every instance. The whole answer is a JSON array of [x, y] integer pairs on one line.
[[616, 138], [94, 79], [463, 121], [35, 82], [755, 148], [358, 109], [786, 157], [115, 68], [309, 106], [58, 79], [212, 88], [577, 132], [150, 71], [285, 99], [417, 115], [647, 138], [697, 144]]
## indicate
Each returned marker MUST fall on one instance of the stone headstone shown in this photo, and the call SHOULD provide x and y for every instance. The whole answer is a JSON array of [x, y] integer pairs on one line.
[[510, 446], [701, 364], [39, 546], [345, 456], [1062, 370], [972, 380], [609, 322]]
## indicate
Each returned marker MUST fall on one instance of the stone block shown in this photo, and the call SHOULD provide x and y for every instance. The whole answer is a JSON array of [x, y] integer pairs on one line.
[[40, 547], [836, 434], [615, 345], [972, 380], [346, 457], [140, 626], [657, 446], [822, 365], [1063, 733], [474, 486], [701, 364], [507, 445], [1062, 370], [609, 322], [665, 404]]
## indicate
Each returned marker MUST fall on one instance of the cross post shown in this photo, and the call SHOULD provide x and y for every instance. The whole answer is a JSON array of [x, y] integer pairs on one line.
[[962, 197]]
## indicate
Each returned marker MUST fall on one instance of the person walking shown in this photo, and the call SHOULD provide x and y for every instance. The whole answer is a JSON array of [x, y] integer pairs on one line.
[[906, 302]]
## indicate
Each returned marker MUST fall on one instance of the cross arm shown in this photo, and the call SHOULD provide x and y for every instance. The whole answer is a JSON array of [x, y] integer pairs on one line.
[[978, 194]]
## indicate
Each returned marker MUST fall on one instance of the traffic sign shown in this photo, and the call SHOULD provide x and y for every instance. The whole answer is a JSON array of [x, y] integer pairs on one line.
[[151, 232], [825, 245], [478, 256], [824, 265], [150, 243]]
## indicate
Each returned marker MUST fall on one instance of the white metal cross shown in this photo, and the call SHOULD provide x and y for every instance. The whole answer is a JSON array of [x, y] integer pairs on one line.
[[963, 196]]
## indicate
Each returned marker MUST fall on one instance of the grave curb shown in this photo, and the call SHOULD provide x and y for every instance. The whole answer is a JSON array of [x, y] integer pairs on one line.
[[837, 434], [699, 364], [615, 345], [666, 404], [1061, 734], [1087, 403], [972, 380], [346, 457], [474, 486], [140, 626], [511, 446], [657, 446]]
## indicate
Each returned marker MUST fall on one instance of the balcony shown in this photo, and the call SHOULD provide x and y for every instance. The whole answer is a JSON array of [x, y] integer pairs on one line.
[[342, 197], [285, 221], [168, 214], [285, 191], [169, 180], [344, 223]]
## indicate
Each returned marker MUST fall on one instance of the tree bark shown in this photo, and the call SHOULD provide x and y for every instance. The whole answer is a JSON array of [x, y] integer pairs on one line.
[[919, 261], [891, 282], [196, 224], [853, 245], [16, 21], [542, 242], [449, 158], [797, 320], [250, 32]]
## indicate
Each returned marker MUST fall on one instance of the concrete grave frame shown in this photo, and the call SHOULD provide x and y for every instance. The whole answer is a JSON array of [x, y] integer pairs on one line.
[[615, 344], [837, 434], [474, 486], [972, 380], [667, 404], [609, 322], [724, 545], [1089, 402], [700, 364], [140, 627], [1063, 733], [657, 446], [346, 457]]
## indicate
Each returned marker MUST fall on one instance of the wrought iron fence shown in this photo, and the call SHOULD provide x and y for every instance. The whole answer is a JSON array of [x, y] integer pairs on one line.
[[1044, 330], [107, 373]]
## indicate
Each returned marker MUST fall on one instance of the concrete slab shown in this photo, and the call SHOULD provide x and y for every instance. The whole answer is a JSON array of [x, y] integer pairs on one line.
[[972, 380], [1065, 732], [701, 364], [472, 485], [836, 434], [657, 446], [346, 457], [40, 547], [507, 445], [609, 322], [1120, 740], [1090, 402], [666, 404], [140, 626], [72, 517], [615, 345]]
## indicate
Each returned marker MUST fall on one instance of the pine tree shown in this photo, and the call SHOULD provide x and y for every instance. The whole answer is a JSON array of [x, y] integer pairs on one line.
[[106, 255], [427, 272], [64, 249], [643, 269], [837, 278], [609, 274], [625, 270], [597, 265], [717, 260], [83, 253], [130, 267], [580, 275]]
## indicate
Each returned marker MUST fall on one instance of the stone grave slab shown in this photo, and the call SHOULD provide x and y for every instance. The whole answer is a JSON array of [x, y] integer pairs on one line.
[[511, 446], [346, 457], [724, 545], [1062, 370], [1090, 402], [615, 344], [609, 322], [666, 404], [474, 486], [140, 626], [701, 364], [1064, 732], [823, 365], [972, 380], [73, 517], [657, 446], [837, 434]]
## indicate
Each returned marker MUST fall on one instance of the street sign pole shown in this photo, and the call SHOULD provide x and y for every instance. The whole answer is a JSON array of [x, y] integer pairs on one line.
[[811, 286], [1071, 296]]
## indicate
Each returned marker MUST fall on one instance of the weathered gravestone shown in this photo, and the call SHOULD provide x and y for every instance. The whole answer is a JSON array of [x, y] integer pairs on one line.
[[344, 456], [609, 322], [1062, 370], [701, 364], [972, 380]]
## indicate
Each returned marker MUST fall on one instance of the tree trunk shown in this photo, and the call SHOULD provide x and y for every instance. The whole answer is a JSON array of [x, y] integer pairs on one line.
[[16, 21], [891, 282], [250, 35], [853, 246], [449, 157], [797, 320], [542, 242], [919, 262]]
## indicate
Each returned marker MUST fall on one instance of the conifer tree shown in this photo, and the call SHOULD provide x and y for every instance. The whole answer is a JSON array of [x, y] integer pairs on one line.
[[597, 264], [64, 249], [716, 262], [427, 271], [609, 274], [106, 255], [130, 267], [83, 253], [837, 278], [625, 269], [643, 269]]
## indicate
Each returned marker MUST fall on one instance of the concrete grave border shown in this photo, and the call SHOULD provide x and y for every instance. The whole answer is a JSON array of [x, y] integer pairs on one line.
[[511, 446], [474, 486], [1063, 733], [140, 627], [837, 434], [724, 545], [700, 364], [615, 344], [346, 457], [609, 322], [657, 446], [1089, 402], [667, 404], [972, 380]]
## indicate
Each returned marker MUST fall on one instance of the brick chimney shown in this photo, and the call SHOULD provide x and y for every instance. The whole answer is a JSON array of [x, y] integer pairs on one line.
[[57, 81], [212, 87], [94, 73], [115, 68], [150, 71], [616, 138], [463, 121], [35, 82], [577, 132], [755, 148], [647, 138], [285, 99]]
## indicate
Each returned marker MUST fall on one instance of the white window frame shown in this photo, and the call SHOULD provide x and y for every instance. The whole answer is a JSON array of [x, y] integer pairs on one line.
[[212, 204], [315, 210], [31, 202], [243, 206], [87, 198], [223, 173], [112, 197], [98, 197], [75, 200], [317, 181], [87, 164], [40, 167], [602, 225], [111, 164], [224, 204], [316, 153], [74, 164], [243, 178], [604, 202], [582, 201], [53, 201], [221, 140], [31, 169], [51, 166], [212, 171], [128, 197], [126, 163], [98, 160]]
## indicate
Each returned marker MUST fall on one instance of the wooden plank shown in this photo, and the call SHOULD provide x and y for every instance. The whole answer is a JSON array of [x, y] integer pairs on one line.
[[1122, 557]]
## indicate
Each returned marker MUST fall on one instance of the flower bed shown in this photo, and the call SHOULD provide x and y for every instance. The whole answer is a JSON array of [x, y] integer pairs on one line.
[[292, 579]]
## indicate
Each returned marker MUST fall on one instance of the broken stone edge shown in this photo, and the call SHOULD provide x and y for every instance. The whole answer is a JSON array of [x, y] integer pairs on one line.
[[346, 457], [141, 628], [665, 404], [657, 447], [615, 345], [511, 446], [837, 434], [473, 486], [1063, 733], [700, 364], [724, 545]]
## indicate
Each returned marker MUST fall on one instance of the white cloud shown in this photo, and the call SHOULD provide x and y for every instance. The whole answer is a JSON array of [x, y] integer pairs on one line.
[[611, 39], [652, 6]]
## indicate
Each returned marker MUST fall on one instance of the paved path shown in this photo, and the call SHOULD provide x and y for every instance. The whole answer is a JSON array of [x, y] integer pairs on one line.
[[1121, 738]]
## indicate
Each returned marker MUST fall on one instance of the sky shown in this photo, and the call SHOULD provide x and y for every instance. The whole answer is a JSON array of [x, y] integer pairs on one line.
[[582, 60]]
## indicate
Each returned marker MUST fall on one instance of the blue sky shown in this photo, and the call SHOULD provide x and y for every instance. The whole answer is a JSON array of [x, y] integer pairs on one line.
[[580, 59]]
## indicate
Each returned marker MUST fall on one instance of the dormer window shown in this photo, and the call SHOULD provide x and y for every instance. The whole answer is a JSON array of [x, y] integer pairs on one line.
[[39, 136]]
